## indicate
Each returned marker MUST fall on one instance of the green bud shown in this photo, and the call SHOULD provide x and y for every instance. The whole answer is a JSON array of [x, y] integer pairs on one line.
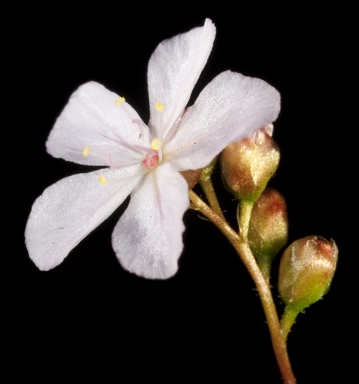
[[268, 228], [306, 271], [248, 164]]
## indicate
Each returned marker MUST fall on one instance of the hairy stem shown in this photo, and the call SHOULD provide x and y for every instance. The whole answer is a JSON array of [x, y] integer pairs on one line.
[[288, 319], [207, 186], [243, 250]]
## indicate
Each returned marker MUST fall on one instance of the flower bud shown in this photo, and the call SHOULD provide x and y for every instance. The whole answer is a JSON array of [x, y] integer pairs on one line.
[[268, 228], [306, 271], [248, 164]]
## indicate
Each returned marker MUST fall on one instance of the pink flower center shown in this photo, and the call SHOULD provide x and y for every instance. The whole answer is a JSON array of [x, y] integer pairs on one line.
[[153, 158], [151, 161]]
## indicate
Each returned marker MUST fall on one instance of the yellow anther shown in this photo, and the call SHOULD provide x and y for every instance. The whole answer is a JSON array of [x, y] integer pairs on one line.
[[86, 151], [102, 180], [159, 107], [156, 144], [119, 101]]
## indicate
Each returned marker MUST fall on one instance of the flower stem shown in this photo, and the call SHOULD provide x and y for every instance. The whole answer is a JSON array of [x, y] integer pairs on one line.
[[264, 265], [288, 319], [245, 210], [241, 246], [206, 184]]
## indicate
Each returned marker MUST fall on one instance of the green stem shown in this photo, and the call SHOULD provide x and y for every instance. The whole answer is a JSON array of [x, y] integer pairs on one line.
[[288, 319], [243, 217], [245, 211], [264, 265], [206, 184], [242, 248]]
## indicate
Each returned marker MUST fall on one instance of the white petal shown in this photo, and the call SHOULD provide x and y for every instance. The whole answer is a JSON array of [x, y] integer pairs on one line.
[[70, 209], [230, 107], [173, 70], [96, 119], [148, 237]]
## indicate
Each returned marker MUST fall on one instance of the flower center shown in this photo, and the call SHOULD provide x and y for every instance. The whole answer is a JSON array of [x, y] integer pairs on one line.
[[154, 158]]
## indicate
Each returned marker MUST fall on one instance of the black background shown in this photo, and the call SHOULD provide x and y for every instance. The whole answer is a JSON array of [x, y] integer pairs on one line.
[[90, 317]]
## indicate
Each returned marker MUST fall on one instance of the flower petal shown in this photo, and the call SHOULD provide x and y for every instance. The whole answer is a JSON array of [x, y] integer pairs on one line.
[[148, 238], [230, 107], [173, 70], [70, 209], [95, 124]]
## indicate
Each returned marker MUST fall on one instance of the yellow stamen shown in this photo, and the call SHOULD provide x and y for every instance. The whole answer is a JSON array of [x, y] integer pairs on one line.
[[156, 144], [102, 180], [159, 107], [86, 151], [119, 101]]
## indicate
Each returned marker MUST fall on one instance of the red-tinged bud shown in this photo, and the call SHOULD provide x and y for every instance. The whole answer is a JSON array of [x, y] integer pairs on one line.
[[192, 177], [248, 164], [306, 271], [268, 228]]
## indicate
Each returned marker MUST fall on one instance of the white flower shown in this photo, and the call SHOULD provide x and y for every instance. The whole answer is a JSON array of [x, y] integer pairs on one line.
[[98, 128]]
